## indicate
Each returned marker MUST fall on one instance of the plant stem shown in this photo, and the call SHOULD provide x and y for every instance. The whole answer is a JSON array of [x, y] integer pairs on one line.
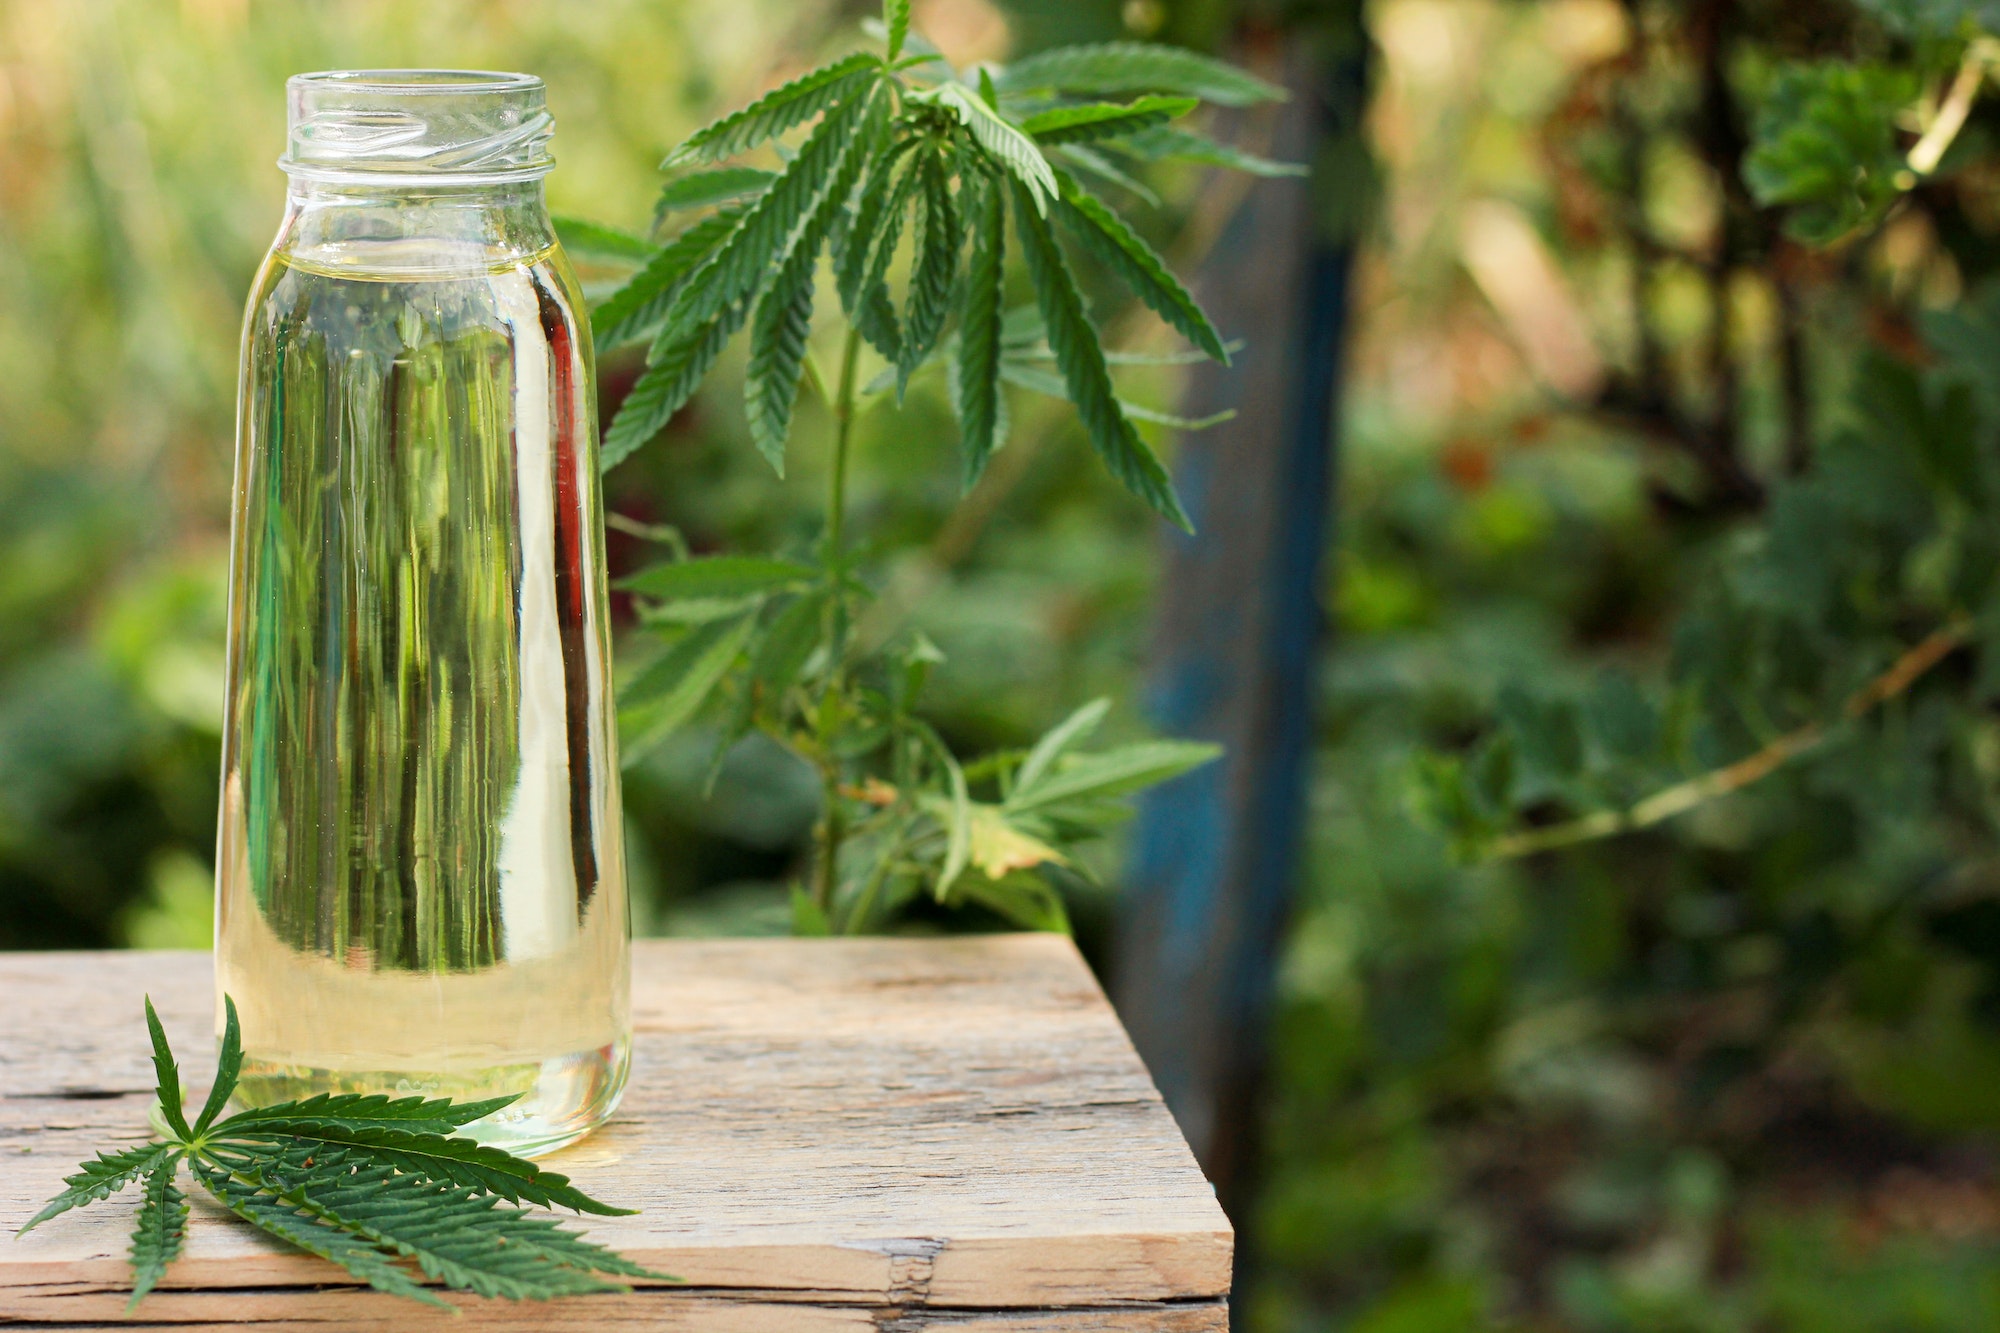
[[833, 823], [1684, 796], [836, 498]]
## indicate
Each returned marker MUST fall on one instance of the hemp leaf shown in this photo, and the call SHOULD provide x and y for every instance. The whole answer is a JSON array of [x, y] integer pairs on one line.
[[366, 1181], [905, 154]]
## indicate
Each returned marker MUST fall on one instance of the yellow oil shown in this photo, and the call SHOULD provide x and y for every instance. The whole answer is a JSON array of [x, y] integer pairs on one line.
[[420, 882]]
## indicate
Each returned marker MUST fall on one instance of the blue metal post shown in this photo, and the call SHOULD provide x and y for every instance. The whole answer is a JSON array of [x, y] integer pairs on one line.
[[1216, 854]]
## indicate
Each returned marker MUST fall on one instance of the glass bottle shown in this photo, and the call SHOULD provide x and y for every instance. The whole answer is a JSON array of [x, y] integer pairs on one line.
[[420, 880]]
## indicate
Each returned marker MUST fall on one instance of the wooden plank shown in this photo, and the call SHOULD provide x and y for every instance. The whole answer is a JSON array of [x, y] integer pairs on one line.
[[817, 1132]]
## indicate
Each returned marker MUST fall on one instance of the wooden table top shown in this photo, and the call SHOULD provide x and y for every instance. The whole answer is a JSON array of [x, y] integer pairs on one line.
[[821, 1135]]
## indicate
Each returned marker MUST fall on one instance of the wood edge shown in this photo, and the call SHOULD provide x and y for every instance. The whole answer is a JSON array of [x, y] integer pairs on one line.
[[355, 1309], [983, 1272], [999, 1271]]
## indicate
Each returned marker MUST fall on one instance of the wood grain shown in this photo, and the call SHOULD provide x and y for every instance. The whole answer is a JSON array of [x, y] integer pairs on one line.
[[881, 1134]]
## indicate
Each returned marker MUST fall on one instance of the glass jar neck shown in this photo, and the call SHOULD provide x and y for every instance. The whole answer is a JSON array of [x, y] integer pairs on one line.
[[429, 227]]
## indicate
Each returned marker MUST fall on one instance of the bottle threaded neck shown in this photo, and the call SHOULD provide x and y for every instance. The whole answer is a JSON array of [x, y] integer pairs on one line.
[[417, 126]]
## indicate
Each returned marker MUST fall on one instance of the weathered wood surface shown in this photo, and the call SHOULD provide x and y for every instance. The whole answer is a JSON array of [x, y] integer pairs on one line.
[[821, 1135]]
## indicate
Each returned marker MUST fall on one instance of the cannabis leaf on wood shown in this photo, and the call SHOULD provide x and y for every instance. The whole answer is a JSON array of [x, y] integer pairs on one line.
[[368, 1182]]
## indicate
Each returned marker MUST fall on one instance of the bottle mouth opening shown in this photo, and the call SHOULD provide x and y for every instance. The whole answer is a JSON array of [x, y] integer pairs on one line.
[[417, 126]]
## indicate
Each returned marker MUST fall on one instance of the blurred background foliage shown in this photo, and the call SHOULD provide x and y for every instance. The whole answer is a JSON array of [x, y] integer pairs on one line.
[[1669, 424]]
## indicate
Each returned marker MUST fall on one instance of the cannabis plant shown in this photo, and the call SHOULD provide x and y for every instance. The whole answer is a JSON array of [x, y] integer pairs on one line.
[[368, 1182], [912, 174]]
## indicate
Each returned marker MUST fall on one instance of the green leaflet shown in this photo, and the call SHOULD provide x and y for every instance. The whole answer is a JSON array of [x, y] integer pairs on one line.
[[956, 816], [719, 576], [937, 244], [788, 644], [1058, 739], [1081, 360], [1023, 351], [775, 112], [778, 337], [100, 1179], [870, 308], [783, 322], [1104, 120], [634, 310], [419, 1114], [857, 243], [457, 1236], [896, 20], [228, 1066], [1000, 137], [165, 1074], [1016, 371], [699, 189], [1108, 774], [1137, 67], [593, 240], [675, 373], [1094, 163], [1114, 244], [976, 395], [1170, 143], [428, 1156], [672, 689], [291, 1223], [161, 1231], [547, 1235], [875, 319]]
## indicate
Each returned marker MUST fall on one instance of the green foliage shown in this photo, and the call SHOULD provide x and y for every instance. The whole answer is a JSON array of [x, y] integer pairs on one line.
[[896, 20], [594, 240], [1106, 236], [662, 698], [1171, 143], [1873, 570], [1104, 120], [900, 156], [367, 1182], [1645, 976], [779, 110], [976, 397], [1826, 146], [1935, 18], [699, 189], [1085, 372], [1133, 67], [636, 309], [161, 1232], [1007, 143]]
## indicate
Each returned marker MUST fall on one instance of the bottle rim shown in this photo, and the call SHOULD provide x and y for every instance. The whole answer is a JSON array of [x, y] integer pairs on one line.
[[417, 127]]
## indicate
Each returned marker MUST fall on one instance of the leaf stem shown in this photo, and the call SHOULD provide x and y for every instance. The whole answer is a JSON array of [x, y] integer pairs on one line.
[[1678, 799], [1955, 107], [833, 823], [836, 489]]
